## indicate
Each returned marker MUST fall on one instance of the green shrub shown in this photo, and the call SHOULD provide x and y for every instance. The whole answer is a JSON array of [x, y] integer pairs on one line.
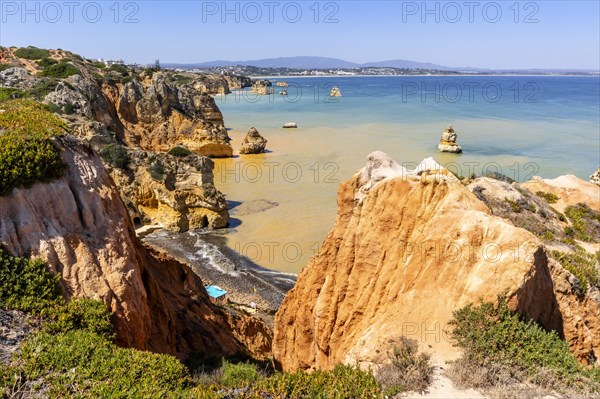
[[179, 151], [27, 153], [80, 314], [4, 67], [100, 65], [62, 70], [122, 69], [84, 364], [32, 53], [157, 170], [126, 79], [549, 197], [26, 285], [46, 62], [116, 155], [41, 90], [407, 371], [239, 375], [515, 206], [491, 335], [583, 265], [343, 382], [585, 222], [9, 94]]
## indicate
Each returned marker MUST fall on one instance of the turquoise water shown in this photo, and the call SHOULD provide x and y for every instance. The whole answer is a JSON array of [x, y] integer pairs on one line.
[[518, 126]]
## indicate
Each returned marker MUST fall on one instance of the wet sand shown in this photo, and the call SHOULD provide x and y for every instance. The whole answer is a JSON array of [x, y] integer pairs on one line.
[[216, 264]]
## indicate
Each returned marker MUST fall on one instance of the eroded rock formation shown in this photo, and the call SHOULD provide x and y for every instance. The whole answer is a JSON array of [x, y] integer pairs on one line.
[[175, 192], [253, 143], [79, 225], [448, 142], [407, 249]]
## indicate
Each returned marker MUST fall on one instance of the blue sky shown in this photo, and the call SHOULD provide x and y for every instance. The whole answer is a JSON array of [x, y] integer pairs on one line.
[[501, 34]]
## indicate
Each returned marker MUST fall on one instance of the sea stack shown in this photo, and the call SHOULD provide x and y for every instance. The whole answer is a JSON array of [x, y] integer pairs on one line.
[[595, 178], [253, 143], [448, 142], [335, 92]]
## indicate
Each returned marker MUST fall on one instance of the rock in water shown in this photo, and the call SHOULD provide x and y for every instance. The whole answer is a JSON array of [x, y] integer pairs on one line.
[[595, 178], [290, 125], [335, 92], [448, 142], [401, 257], [253, 143]]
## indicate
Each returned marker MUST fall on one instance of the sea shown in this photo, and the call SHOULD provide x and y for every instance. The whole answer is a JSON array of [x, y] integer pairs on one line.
[[283, 202]]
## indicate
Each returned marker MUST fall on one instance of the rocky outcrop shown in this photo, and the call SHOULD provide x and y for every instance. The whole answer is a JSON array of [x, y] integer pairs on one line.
[[595, 178], [448, 142], [253, 143], [156, 115], [335, 92], [145, 109], [262, 87], [569, 189], [80, 227], [580, 315], [175, 192], [407, 249]]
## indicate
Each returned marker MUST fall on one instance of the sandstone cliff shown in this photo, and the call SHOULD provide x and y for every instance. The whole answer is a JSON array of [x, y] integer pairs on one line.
[[176, 192], [407, 249], [80, 226], [147, 111]]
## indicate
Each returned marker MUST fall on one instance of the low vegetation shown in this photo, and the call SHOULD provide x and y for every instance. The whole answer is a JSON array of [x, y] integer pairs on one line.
[[179, 151], [407, 370], [46, 62], [501, 350], [73, 355], [32, 53], [585, 223], [116, 155], [583, 265], [61, 70], [549, 197], [28, 154], [4, 67]]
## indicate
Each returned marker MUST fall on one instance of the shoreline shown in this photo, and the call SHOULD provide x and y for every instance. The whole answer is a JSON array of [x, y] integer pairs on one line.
[[244, 281], [424, 75]]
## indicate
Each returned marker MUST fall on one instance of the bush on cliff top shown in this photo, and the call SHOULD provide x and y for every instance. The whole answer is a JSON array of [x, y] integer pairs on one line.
[[32, 53], [60, 70], [28, 154]]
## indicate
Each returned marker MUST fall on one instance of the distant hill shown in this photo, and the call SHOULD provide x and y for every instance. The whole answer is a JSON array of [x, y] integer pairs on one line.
[[301, 62], [313, 62]]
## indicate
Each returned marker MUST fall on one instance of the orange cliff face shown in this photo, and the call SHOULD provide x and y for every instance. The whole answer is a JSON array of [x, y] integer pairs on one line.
[[79, 225], [407, 249]]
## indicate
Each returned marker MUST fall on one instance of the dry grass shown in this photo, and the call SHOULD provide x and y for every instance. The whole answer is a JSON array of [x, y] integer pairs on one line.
[[500, 381], [407, 369]]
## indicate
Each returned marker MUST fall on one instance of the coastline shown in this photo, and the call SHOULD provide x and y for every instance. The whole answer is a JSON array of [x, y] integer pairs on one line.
[[206, 253]]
